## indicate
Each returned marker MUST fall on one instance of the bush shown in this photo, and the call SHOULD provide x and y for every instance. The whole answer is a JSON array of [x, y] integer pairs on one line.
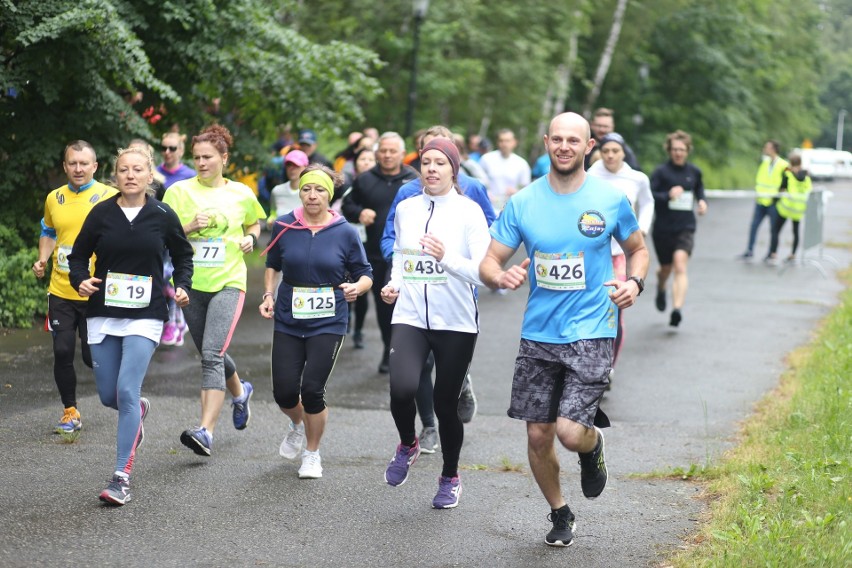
[[22, 295]]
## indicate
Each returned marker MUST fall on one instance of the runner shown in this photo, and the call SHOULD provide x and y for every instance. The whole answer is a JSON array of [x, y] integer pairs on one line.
[[440, 239], [316, 249], [65, 209], [565, 220], [127, 306], [220, 218], [678, 190]]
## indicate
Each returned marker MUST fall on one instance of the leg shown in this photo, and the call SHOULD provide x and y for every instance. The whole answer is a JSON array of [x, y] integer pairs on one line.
[[544, 462], [288, 363], [760, 211], [322, 352], [64, 322], [681, 282], [453, 353], [795, 238], [135, 355], [777, 223], [410, 350], [384, 312], [424, 399]]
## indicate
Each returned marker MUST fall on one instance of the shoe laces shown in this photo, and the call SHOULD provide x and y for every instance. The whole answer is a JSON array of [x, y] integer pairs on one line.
[[311, 460], [446, 486], [70, 415], [403, 453], [561, 518]]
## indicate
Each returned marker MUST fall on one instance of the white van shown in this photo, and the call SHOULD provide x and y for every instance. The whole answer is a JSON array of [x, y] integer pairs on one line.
[[821, 163]]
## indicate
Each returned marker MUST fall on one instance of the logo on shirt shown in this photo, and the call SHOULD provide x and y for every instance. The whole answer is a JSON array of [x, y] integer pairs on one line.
[[217, 223], [591, 224], [112, 290], [95, 198], [60, 198]]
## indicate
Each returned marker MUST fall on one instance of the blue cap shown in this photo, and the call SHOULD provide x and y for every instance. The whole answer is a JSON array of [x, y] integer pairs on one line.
[[307, 136]]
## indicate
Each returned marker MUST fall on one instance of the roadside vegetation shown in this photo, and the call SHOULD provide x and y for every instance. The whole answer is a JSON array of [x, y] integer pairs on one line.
[[783, 496]]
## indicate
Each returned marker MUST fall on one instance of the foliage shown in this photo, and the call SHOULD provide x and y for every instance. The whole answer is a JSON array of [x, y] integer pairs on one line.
[[21, 295], [782, 496]]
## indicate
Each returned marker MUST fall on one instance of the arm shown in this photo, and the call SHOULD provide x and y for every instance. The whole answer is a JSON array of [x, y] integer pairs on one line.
[[659, 187], [491, 268], [249, 241], [351, 290], [271, 277], [78, 261], [645, 205], [478, 239], [699, 192], [624, 293], [389, 234], [45, 251]]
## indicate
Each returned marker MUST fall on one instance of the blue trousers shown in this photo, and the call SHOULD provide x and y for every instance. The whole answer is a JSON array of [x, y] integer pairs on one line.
[[760, 213], [120, 364]]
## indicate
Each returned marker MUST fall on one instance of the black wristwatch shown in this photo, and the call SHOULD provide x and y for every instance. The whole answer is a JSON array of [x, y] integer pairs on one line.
[[639, 282]]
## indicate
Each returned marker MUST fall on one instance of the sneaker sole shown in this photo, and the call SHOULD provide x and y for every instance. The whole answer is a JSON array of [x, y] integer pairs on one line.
[[453, 506], [560, 543], [110, 500], [309, 476], [466, 419], [248, 412], [427, 450], [194, 445]]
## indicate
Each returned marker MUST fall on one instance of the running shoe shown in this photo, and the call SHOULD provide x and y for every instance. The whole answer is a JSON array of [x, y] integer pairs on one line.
[[311, 466], [145, 404], [384, 366], [562, 533], [293, 441], [449, 491], [358, 339], [170, 334], [397, 472], [242, 412], [117, 491], [593, 474], [198, 440], [428, 440], [675, 319], [467, 401], [180, 334], [660, 300], [746, 256], [70, 422]]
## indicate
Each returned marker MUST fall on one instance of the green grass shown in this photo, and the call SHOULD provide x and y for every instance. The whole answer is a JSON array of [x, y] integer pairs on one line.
[[783, 496], [739, 174]]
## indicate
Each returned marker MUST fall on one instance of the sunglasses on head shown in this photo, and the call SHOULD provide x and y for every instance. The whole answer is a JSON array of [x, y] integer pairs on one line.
[[170, 148]]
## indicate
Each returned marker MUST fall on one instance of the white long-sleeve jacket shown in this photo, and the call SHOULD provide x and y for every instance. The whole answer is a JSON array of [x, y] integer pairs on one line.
[[439, 295], [636, 187]]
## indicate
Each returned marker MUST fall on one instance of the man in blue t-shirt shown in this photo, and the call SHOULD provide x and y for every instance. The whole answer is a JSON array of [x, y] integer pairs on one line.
[[566, 221]]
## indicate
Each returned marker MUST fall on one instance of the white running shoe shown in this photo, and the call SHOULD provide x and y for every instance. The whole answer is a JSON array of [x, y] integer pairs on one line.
[[311, 465], [293, 441]]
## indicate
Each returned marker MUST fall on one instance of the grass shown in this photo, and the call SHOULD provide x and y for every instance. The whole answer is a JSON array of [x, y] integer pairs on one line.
[[783, 496]]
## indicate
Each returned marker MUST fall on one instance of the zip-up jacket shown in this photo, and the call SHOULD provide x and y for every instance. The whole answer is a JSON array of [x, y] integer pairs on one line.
[[460, 225], [374, 190], [131, 247]]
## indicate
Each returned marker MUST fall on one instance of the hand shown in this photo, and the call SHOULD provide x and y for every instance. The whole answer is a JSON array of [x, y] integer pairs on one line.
[[676, 192], [246, 244], [39, 267], [432, 246], [389, 294], [515, 277], [267, 307], [367, 217], [88, 287], [702, 207], [181, 297], [201, 221], [350, 291], [625, 293]]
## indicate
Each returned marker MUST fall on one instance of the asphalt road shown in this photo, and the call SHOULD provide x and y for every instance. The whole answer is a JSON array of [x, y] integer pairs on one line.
[[677, 397]]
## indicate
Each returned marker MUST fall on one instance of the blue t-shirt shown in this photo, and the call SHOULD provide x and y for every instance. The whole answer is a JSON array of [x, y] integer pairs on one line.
[[470, 187], [307, 260], [553, 225]]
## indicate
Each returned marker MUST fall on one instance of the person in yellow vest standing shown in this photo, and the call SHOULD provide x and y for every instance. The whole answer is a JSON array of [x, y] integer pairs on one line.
[[766, 185], [796, 184], [65, 209]]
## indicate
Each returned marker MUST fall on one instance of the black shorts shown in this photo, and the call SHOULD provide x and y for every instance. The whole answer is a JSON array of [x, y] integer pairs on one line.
[[566, 380], [66, 315], [667, 243]]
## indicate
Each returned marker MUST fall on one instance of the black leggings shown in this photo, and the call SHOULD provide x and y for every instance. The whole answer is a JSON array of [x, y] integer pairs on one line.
[[453, 352], [68, 321], [301, 367], [384, 311]]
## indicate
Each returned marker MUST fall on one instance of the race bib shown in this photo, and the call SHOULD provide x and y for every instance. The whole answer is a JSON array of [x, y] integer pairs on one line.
[[62, 258], [127, 290], [313, 303], [208, 252], [685, 202], [563, 271], [362, 231], [417, 266]]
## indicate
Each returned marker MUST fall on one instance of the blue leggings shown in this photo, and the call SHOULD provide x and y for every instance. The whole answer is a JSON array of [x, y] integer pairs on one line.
[[120, 364]]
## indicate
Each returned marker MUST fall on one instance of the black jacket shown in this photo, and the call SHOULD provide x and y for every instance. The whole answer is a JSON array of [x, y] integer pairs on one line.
[[131, 248], [374, 190], [665, 177]]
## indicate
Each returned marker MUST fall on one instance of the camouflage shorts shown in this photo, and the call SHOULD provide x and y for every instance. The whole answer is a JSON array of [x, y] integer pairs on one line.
[[565, 380]]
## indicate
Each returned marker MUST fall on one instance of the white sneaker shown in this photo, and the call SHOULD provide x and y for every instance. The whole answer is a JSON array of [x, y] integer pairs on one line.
[[311, 466], [293, 441]]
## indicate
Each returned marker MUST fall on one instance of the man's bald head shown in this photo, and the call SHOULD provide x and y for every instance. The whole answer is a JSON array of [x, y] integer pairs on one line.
[[570, 120]]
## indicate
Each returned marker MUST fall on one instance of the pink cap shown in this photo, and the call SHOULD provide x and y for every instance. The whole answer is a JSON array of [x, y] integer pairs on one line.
[[296, 157]]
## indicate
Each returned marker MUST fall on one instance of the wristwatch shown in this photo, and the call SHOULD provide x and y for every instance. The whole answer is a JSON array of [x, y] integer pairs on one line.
[[639, 282]]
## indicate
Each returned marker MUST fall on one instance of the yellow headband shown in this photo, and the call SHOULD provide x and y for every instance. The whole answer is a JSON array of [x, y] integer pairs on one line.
[[320, 178]]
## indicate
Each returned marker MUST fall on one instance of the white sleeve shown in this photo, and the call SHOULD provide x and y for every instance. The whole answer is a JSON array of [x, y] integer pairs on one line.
[[478, 241], [645, 204], [396, 262]]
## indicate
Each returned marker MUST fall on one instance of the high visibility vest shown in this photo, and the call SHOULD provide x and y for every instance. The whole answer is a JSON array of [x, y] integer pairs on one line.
[[793, 206], [768, 180]]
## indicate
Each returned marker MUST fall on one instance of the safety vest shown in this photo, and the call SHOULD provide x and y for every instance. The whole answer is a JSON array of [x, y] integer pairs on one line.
[[768, 180], [793, 206]]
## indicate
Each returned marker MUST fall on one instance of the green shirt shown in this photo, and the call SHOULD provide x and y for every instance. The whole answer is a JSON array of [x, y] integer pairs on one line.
[[231, 208]]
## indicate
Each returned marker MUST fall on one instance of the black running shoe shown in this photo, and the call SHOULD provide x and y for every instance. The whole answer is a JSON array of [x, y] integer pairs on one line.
[[593, 474], [562, 533], [675, 319], [660, 301]]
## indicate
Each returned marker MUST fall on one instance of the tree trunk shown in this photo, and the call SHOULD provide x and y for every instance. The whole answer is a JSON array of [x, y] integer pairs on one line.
[[606, 57]]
